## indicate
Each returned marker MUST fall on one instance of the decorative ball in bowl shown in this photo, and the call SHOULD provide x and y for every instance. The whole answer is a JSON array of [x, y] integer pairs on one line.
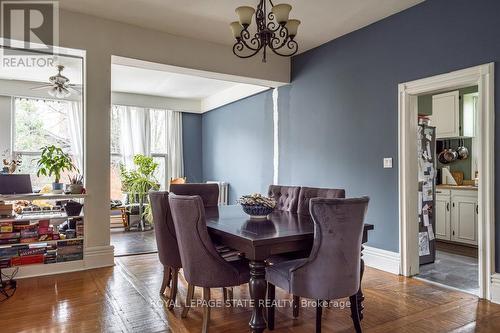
[[257, 206]]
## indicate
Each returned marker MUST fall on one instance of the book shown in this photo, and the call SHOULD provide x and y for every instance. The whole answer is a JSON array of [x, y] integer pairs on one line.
[[6, 235]]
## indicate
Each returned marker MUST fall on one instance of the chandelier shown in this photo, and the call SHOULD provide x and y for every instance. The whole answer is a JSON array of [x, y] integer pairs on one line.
[[274, 31]]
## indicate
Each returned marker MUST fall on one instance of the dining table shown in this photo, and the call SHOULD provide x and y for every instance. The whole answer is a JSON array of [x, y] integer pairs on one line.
[[281, 232]]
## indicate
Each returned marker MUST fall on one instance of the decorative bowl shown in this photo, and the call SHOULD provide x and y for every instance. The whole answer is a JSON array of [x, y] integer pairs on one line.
[[259, 212]]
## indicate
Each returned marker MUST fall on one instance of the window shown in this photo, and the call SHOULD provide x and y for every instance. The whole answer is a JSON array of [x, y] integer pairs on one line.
[[41, 122], [149, 135]]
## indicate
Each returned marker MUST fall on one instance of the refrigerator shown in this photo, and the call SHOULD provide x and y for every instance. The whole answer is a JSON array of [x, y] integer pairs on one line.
[[426, 150]]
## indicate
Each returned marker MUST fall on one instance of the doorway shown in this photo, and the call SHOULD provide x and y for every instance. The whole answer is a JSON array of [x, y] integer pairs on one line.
[[410, 232]]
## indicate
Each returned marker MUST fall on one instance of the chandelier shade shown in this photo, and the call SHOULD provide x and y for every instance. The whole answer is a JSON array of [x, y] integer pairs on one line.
[[274, 30]]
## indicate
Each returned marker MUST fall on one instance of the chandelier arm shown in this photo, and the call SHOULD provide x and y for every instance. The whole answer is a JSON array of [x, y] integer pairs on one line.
[[277, 43], [292, 45], [253, 43], [239, 47]]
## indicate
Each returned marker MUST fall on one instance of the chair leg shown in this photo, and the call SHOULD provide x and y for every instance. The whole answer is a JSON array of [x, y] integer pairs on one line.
[[271, 296], [166, 280], [206, 309], [355, 313], [173, 288], [319, 312], [295, 306], [189, 298]]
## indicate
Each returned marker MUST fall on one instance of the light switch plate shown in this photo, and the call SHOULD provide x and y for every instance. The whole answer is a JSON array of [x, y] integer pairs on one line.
[[387, 162]]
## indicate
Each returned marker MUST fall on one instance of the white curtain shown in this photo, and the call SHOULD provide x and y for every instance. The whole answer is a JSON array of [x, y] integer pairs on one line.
[[175, 166], [135, 130], [76, 133]]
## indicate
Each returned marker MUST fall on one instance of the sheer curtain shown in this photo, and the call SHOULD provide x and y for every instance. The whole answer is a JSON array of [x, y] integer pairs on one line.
[[135, 129], [174, 145], [76, 133]]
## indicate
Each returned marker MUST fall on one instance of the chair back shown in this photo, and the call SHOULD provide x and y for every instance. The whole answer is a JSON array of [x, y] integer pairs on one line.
[[209, 193], [287, 197], [307, 193], [202, 264], [166, 242], [332, 270]]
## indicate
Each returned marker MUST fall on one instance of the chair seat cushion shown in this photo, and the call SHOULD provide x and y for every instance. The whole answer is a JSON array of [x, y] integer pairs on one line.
[[279, 274]]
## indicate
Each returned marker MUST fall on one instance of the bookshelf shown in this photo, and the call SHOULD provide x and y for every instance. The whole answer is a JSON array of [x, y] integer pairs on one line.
[[39, 237]]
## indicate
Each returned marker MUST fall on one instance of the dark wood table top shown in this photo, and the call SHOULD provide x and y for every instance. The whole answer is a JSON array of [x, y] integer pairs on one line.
[[282, 232]]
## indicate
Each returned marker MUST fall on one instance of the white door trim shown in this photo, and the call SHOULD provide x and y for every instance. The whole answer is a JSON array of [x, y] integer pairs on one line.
[[483, 76]]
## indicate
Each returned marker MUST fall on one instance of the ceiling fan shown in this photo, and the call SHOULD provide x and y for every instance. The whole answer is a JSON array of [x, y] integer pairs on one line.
[[59, 85]]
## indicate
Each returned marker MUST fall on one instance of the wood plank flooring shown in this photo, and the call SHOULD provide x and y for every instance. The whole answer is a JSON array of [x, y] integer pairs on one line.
[[124, 298]]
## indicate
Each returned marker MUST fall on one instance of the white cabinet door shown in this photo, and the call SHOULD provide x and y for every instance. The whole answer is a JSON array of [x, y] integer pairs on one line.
[[443, 217], [446, 114], [464, 219]]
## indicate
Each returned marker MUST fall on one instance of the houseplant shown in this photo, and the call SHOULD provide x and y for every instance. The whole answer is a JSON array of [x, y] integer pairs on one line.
[[75, 185], [137, 182], [53, 162]]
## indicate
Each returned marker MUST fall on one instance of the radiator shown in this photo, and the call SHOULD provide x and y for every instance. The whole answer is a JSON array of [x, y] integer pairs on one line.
[[223, 191]]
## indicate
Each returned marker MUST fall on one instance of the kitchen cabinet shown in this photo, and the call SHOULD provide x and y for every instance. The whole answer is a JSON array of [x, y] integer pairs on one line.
[[443, 215], [456, 216], [446, 114], [464, 217]]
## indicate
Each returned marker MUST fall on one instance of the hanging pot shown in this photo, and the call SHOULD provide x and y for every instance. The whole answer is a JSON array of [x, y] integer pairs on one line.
[[441, 158], [450, 155], [462, 151]]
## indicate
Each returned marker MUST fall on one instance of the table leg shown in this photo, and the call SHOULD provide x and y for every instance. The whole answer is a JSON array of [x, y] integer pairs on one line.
[[258, 288], [359, 296]]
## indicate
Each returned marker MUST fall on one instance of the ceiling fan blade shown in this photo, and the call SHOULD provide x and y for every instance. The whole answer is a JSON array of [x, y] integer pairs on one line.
[[71, 89], [45, 86]]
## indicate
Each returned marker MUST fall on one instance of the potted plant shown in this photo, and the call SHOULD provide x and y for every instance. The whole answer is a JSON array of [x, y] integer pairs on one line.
[[53, 162], [75, 185], [136, 183]]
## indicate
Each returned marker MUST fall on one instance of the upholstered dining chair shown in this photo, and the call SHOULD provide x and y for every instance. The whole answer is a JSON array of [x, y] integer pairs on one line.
[[332, 270], [209, 193], [287, 197], [166, 242], [307, 193], [203, 266]]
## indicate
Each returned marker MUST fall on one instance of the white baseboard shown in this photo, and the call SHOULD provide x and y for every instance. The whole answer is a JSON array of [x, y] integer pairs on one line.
[[384, 260], [495, 288], [95, 257], [99, 256]]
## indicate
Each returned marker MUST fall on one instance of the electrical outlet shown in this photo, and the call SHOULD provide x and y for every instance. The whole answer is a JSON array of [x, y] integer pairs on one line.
[[387, 162]]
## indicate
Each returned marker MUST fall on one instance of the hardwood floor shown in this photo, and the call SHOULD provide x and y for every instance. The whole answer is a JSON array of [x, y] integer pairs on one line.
[[125, 298]]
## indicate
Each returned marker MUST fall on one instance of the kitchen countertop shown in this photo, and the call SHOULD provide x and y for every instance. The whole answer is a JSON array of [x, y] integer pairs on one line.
[[457, 187]]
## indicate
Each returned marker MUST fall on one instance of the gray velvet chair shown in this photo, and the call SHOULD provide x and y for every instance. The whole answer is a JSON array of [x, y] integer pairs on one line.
[[203, 266], [332, 270], [287, 197], [209, 193], [307, 193], [166, 242]]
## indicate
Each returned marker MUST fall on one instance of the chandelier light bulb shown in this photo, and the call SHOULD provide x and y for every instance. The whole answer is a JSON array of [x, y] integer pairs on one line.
[[292, 26], [237, 28]]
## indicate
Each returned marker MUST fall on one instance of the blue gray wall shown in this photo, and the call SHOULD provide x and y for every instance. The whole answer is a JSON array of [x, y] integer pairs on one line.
[[238, 145], [338, 118], [191, 145]]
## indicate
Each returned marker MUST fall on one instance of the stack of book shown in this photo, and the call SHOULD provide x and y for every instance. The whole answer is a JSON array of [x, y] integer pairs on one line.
[[5, 209], [10, 237], [29, 233], [69, 250], [79, 227], [30, 254], [6, 255], [51, 254]]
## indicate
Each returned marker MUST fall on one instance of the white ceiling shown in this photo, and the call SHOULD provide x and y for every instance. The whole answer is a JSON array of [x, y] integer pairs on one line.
[[160, 83], [322, 20]]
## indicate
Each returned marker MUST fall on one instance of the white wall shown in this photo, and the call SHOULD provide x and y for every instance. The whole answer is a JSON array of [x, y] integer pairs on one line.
[[5, 123]]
